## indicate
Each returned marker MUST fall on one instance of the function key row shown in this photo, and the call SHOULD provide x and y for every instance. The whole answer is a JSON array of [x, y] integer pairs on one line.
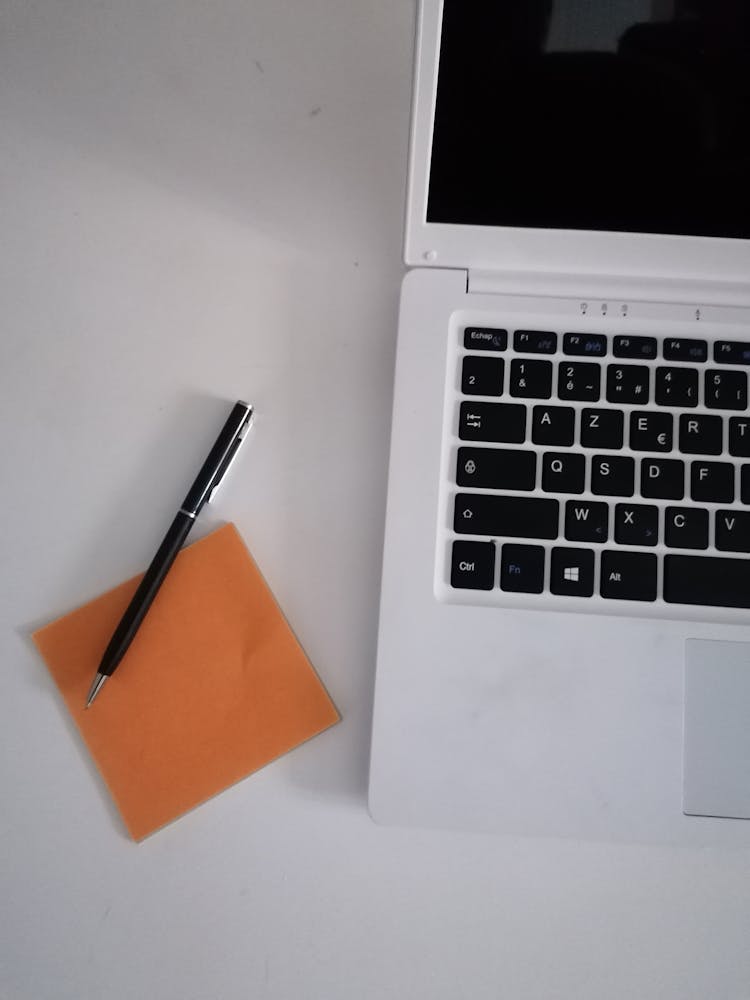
[[533, 378], [690, 349]]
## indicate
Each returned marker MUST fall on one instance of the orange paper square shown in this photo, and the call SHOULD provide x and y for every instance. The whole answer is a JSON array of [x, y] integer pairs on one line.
[[213, 687]]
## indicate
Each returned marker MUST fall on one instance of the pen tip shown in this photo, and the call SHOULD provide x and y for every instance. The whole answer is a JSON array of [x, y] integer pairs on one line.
[[96, 686]]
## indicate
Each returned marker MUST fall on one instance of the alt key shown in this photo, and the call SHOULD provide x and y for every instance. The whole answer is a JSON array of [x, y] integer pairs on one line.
[[473, 566]]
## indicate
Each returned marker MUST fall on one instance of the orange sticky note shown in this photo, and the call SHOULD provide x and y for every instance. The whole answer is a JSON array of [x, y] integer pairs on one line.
[[213, 687]]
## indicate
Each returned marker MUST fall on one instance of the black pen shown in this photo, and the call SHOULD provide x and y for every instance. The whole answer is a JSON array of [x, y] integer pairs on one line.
[[213, 471]]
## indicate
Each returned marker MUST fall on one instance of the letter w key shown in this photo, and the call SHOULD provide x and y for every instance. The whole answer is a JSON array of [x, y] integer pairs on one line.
[[586, 522]]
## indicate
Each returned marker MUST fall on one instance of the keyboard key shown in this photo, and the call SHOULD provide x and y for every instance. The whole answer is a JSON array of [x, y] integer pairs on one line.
[[612, 476], [563, 472], [739, 437], [482, 376], [662, 479], [514, 517], [650, 431], [685, 349], [745, 484], [733, 530], [700, 434], [579, 380], [572, 572], [592, 344], [473, 566], [531, 379], [501, 422], [534, 342], [485, 338], [726, 390], [713, 581], [676, 387], [686, 528], [586, 521], [602, 429], [643, 348], [553, 425], [712, 482], [522, 569], [628, 383], [628, 576], [496, 468], [731, 352], [636, 524]]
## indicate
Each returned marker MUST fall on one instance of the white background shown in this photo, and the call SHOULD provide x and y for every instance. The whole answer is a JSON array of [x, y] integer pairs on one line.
[[201, 201]]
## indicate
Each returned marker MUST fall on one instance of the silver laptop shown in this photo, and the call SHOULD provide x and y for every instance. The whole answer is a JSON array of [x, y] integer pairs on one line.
[[564, 644]]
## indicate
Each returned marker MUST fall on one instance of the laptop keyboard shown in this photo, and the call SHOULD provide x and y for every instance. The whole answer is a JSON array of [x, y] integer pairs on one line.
[[603, 468]]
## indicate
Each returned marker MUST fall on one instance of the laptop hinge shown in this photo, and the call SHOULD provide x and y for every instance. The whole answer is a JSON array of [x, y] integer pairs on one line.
[[601, 288]]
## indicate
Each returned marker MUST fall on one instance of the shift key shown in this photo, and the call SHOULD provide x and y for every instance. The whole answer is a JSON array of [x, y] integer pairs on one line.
[[504, 422], [511, 517]]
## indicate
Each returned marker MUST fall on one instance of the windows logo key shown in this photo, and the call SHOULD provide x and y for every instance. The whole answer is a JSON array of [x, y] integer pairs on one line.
[[572, 572]]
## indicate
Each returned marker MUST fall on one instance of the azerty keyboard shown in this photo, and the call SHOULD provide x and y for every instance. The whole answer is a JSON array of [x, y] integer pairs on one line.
[[612, 468]]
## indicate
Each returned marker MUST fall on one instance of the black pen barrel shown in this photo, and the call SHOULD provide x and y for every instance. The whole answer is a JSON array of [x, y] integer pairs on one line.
[[146, 592]]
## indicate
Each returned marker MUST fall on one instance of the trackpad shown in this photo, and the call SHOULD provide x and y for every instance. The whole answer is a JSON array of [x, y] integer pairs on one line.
[[716, 754]]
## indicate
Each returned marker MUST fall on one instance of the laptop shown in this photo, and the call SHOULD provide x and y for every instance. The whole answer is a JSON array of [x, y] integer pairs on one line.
[[564, 637]]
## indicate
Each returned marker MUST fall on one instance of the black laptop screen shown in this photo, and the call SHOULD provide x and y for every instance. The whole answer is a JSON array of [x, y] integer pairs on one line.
[[617, 115]]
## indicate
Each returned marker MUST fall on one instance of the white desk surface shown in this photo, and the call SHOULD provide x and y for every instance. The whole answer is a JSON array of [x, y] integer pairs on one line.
[[202, 200]]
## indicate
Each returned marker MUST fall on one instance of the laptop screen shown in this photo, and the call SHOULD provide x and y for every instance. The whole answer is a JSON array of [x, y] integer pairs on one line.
[[624, 116]]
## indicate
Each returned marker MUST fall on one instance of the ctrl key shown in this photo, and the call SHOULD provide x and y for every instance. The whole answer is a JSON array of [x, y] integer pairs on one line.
[[473, 566]]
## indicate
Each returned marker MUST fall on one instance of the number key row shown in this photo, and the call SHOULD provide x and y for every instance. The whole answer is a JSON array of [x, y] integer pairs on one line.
[[581, 381]]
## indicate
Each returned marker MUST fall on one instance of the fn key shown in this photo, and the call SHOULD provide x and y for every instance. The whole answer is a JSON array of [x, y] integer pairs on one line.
[[473, 566]]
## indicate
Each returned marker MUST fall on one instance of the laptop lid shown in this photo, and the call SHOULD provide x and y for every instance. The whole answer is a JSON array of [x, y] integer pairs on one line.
[[587, 139]]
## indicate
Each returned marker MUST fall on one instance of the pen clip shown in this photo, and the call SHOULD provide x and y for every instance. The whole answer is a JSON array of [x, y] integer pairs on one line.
[[226, 465]]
